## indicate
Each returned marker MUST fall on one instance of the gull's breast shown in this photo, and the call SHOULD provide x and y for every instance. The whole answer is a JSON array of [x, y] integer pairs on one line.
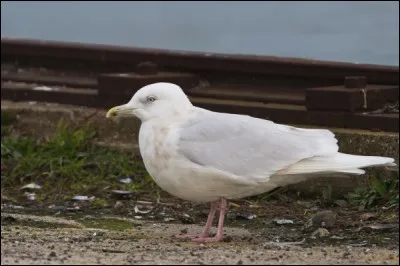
[[157, 148]]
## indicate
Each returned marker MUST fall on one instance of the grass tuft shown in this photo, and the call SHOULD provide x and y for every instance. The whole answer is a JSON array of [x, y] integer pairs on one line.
[[67, 164]]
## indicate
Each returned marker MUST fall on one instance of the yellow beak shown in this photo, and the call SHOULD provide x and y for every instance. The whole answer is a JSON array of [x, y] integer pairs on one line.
[[112, 112], [121, 111]]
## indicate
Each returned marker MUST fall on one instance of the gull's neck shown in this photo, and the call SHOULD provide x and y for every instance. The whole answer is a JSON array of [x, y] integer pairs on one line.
[[174, 115]]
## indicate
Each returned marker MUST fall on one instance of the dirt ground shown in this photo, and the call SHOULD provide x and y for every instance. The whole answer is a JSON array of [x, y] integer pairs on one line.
[[78, 246], [79, 238], [275, 231]]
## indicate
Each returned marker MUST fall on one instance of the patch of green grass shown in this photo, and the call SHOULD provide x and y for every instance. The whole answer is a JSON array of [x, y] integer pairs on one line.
[[379, 193], [108, 224], [99, 203], [6, 121], [67, 164]]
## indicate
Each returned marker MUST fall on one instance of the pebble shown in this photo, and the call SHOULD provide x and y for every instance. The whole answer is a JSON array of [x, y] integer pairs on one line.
[[320, 232], [52, 254], [326, 219]]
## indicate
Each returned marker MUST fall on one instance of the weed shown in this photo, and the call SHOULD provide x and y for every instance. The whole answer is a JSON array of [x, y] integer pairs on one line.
[[99, 203], [380, 192], [327, 194], [6, 121]]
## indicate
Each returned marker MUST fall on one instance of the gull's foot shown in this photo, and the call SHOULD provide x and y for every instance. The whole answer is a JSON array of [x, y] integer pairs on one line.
[[191, 237], [208, 239]]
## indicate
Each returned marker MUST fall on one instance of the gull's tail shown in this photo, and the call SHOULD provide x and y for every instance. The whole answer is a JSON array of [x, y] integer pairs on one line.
[[340, 162]]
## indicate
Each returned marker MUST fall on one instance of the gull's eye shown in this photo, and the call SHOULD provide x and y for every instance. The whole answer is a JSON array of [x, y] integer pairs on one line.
[[150, 99]]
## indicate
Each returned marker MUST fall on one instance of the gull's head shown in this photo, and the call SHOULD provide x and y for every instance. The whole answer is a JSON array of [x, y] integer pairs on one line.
[[152, 101]]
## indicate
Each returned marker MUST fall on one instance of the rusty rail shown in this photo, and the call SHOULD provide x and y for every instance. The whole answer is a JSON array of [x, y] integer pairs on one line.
[[286, 90]]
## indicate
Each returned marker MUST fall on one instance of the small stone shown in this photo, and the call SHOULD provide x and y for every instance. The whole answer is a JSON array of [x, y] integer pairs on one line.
[[381, 226], [30, 196], [320, 232], [359, 244], [245, 216], [82, 198], [326, 219], [52, 254], [118, 205], [122, 194], [283, 221], [137, 210], [31, 186], [186, 219], [368, 216], [125, 180]]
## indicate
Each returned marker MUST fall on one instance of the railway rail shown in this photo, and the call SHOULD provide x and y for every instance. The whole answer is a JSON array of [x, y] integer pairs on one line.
[[285, 90]]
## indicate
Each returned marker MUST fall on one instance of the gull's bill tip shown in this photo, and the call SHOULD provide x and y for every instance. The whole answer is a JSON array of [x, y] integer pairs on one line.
[[112, 112]]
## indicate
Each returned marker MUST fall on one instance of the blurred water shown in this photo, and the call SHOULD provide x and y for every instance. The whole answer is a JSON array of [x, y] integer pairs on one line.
[[364, 32]]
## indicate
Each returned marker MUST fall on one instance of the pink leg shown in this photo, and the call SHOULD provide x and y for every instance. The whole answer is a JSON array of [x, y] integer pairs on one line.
[[207, 228], [220, 232]]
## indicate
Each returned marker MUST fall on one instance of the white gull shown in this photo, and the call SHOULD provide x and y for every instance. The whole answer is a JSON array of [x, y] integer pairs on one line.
[[204, 156]]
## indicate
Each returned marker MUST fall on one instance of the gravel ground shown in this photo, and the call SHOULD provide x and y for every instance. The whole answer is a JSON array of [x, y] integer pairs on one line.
[[150, 242]]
